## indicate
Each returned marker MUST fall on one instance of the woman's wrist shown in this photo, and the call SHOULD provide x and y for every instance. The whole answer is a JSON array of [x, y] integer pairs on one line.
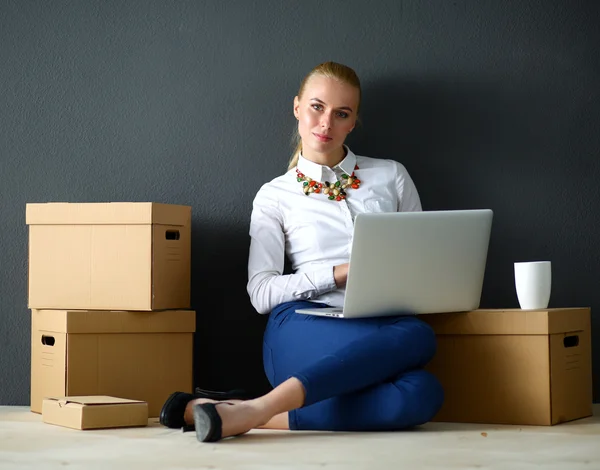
[[340, 274]]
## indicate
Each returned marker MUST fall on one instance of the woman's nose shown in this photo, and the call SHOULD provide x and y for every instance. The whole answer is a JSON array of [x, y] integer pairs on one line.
[[326, 121]]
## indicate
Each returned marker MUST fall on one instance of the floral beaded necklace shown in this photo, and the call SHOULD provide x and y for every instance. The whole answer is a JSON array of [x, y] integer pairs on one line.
[[334, 191]]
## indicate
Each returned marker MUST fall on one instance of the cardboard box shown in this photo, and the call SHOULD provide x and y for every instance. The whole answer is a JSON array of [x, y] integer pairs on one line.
[[134, 355], [94, 412], [109, 256], [514, 366]]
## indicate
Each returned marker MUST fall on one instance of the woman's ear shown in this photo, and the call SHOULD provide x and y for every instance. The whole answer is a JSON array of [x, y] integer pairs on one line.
[[296, 106]]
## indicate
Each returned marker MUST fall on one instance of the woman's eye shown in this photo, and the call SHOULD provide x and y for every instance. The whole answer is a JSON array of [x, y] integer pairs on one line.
[[342, 114], [318, 107]]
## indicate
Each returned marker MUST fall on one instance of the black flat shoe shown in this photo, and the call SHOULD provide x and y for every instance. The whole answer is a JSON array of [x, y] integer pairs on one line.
[[208, 423], [172, 412]]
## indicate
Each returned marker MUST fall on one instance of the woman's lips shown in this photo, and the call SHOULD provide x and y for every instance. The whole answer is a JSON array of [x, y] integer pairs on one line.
[[322, 138]]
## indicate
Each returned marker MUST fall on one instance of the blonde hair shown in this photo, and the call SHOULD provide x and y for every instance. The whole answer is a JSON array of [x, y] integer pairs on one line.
[[340, 72]]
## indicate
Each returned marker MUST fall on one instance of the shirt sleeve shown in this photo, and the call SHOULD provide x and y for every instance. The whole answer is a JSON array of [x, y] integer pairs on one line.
[[408, 196], [267, 286]]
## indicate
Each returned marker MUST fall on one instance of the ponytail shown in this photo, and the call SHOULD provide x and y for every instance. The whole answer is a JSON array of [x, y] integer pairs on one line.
[[297, 142]]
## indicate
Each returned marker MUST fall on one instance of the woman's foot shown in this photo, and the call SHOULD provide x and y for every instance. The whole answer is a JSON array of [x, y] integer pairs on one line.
[[218, 420], [173, 410], [188, 415]]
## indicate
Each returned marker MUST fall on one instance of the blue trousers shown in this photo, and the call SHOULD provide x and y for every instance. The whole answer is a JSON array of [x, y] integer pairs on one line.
[[358, 374]]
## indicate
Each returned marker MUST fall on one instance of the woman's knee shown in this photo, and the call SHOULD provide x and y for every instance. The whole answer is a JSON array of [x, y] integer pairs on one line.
[[422, 337], [423, 396], [429, 341], [432, 393], [268, 364]]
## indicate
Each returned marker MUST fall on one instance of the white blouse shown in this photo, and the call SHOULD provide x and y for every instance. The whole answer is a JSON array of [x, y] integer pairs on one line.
[[315, 232]]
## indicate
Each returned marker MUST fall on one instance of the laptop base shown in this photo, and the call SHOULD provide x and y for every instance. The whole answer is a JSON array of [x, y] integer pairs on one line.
[[335, 312]]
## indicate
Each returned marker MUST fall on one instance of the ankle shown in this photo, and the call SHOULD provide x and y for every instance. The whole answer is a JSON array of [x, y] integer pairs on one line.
[[188, 414], [260, 411]]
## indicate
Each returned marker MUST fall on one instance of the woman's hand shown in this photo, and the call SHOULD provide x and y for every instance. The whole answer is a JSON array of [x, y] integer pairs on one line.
[[340, 274]]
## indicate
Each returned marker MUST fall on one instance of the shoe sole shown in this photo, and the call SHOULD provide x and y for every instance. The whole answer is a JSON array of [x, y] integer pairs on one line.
[[205, 425]]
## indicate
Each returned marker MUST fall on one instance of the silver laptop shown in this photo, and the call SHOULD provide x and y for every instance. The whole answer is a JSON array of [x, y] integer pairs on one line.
[[415, 262]]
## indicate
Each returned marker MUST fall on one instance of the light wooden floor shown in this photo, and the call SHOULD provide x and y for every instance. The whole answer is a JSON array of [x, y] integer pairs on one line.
[[26, 442]]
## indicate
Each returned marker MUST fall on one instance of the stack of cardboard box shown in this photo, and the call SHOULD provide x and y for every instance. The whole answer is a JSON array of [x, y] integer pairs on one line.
[[109, 293]]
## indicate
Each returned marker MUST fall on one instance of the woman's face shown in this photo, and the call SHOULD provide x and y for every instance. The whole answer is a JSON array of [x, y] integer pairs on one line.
[[326, 114]]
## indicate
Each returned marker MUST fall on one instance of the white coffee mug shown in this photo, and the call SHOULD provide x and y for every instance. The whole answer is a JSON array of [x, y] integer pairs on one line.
[[533, 281]]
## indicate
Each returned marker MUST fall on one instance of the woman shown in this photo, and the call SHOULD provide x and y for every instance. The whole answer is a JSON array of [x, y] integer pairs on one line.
[[327, 373]]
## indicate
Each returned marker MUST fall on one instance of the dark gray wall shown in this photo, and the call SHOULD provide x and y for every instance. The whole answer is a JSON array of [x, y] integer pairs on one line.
[[488, 103]]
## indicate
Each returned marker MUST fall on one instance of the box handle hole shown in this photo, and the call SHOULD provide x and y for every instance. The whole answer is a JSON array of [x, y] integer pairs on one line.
[[48, 340], [571, 341], [172, 235]]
